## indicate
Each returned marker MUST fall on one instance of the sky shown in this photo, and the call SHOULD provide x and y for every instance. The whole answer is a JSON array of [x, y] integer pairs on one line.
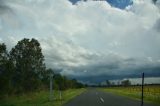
[[115, 3], [88, 40]]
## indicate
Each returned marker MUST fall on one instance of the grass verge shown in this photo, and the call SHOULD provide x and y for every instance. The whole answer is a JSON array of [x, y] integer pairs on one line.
[[41, 98], [152, 95]]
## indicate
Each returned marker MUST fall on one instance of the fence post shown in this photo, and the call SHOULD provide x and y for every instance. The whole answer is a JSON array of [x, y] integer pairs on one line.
[[142, 89], [51, 86]]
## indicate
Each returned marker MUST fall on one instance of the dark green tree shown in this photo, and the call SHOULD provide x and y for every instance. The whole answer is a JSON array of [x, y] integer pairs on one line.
[[46, 77], [126, 83], [108, 83], [3, 71], [6, 70], [59, 80], [76, 84], [29, 64]]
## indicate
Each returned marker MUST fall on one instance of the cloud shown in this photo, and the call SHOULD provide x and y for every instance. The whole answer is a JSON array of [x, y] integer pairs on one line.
[[3, 7], [157, 25], [90, 40]]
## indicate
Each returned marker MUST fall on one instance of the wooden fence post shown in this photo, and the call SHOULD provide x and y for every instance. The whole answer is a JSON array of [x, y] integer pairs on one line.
[[142, 89]]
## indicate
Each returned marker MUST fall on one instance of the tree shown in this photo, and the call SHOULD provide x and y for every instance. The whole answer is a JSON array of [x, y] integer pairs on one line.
[[23, 69], [46, 77], [63, 83], [60, 81], [29, 64], [113, 84], [3, 55], [108, 83], [126, 83], [3, 72], [6, 70]]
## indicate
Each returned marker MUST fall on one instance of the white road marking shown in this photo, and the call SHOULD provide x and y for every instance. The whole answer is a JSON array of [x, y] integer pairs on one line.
[[102, 99]]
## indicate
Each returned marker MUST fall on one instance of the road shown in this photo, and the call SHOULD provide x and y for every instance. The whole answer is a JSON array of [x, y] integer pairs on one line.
[[93, 97]]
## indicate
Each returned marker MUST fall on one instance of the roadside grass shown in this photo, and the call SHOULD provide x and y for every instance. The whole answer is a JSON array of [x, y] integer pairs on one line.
[[151, 93], [41, 98]]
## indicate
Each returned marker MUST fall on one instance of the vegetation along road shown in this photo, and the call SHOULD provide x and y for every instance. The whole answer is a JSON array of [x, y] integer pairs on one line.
[[41, 98], [151, 92]]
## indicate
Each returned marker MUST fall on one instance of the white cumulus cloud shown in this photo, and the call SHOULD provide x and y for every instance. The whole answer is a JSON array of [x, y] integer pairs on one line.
[[90, 35]]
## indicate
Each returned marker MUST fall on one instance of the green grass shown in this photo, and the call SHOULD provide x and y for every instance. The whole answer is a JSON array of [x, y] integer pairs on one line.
[[151, 93], [41, 98]]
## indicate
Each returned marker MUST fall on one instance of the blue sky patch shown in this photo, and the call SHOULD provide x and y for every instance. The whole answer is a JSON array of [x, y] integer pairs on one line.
[[115, 3]]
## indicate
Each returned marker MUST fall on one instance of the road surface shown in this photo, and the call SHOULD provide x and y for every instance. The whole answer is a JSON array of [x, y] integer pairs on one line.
[[93, 97]]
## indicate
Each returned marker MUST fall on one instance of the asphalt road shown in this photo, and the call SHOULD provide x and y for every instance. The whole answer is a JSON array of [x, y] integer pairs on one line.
[[93, 97]]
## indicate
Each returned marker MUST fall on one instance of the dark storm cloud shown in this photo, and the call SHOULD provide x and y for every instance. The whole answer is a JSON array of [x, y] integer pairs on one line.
[[150, 70], [4, 7], [120, 68], [154, 1], [100, 74]]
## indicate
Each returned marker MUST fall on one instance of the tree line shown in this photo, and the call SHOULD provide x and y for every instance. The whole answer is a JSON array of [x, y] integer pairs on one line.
[[23, 69], [120, 83]]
